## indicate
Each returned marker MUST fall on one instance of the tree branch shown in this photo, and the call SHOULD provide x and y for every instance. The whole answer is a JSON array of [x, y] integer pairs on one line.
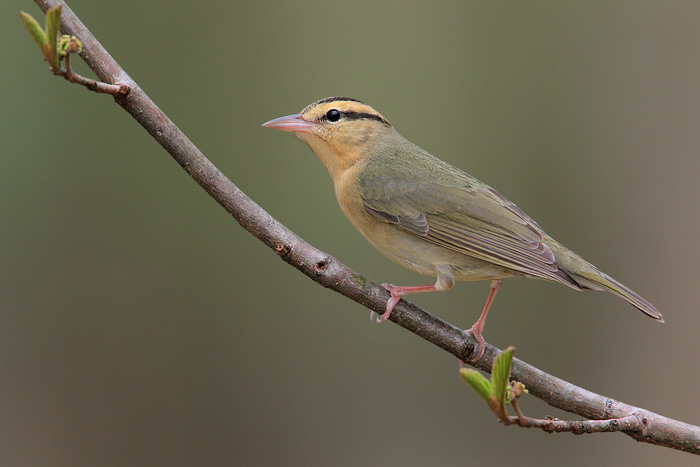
[[329, 272]]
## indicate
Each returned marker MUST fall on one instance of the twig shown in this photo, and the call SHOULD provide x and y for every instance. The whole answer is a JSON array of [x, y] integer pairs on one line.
[[329, 272], [630, 424], [91, 84]]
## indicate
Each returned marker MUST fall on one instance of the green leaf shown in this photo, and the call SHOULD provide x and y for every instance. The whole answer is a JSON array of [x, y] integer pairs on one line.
[[500, 374], [34, 30], [481, 385], [53, 20]]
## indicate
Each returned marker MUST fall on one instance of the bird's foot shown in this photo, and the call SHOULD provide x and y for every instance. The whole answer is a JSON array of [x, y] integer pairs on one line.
[[475, 331], [396, 294]]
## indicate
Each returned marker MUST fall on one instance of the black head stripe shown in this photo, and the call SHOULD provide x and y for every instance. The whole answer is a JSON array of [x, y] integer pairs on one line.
[[350, 115], [336, 99], [364, 116], [330, 99], [327, 100]]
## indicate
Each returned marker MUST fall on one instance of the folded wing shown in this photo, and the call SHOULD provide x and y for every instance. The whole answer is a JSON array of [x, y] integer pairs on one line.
[[448, 207]]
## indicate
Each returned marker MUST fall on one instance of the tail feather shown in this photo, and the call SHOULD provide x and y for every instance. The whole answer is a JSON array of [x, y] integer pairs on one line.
[[601, 281]]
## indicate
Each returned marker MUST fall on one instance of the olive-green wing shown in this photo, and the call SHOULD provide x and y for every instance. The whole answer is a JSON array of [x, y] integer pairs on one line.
[[433, 200]]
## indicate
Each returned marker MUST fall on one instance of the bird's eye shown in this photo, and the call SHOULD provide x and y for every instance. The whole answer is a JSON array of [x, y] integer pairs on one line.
[[333, 115]]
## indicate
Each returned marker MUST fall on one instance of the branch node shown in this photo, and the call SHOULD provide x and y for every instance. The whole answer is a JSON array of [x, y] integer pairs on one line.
[[321, 265], [283, 251], [467, 351]]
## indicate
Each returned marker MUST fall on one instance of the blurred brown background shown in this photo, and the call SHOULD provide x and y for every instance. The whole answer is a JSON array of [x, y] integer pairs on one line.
[[140, 325]]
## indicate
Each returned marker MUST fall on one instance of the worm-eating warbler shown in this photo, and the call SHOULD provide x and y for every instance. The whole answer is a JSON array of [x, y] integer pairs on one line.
[[431, 217]]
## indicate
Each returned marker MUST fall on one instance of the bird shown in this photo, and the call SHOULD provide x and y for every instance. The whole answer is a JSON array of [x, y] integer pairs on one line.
[[431, 217]]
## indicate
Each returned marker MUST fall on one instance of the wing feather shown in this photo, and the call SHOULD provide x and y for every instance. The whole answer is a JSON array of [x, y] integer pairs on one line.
[[448, 207]]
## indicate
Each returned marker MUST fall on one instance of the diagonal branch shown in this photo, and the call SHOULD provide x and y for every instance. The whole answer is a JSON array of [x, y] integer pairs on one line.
[[329, 272]]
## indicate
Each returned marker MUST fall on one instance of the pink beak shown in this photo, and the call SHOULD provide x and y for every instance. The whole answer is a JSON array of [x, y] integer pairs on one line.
[[292, 123]]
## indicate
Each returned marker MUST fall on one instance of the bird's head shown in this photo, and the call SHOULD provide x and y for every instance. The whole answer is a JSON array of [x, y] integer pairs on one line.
[[339, 130]]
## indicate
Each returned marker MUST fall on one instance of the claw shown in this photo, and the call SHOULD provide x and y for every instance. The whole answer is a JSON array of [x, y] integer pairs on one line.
[[481, 343], [391, 303]]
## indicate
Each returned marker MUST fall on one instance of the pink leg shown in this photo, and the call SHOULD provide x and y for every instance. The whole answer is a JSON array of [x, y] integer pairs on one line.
[[396, 294], [478, 327]]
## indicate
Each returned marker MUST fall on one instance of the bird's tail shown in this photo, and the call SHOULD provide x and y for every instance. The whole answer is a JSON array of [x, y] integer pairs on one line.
[[599, 281]]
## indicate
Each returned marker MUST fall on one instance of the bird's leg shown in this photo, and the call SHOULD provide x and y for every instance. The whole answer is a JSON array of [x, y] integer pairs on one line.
[[478, 327], [445, 281]]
